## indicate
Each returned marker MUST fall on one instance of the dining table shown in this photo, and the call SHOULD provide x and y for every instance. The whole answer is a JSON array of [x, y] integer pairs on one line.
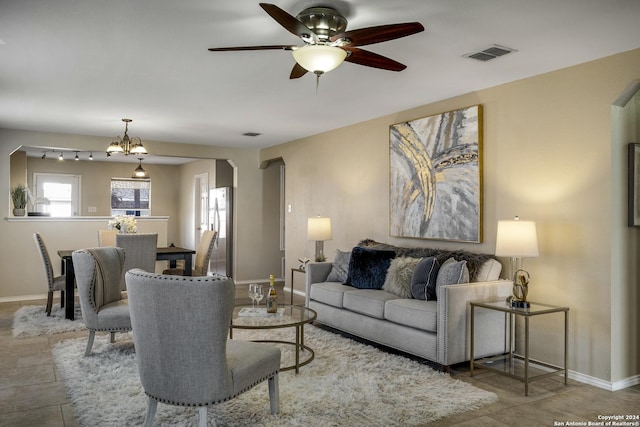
[[168, 253]]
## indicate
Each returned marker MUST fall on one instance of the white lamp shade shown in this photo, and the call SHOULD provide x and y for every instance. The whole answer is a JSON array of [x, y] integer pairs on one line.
[[516, 238], [319, 228], [319, 58]]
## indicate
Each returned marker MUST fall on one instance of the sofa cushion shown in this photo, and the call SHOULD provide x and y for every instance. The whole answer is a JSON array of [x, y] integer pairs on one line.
[[412, 312], [489, 271], [474, 260], [330, 293], [452, 272], [423, 281], [339, 267], [367, 301], [399, 275], [368, 268]]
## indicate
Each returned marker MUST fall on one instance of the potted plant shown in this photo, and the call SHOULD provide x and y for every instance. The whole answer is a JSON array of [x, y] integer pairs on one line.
[[19, 199]]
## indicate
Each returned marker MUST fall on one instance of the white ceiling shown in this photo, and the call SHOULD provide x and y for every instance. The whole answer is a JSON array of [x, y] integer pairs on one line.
[[79, 66]]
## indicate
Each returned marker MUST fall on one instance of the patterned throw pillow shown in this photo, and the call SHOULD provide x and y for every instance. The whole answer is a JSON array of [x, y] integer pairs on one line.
[[340, 267], [452, 272], [368, 268], [423, 281], [398, 281]]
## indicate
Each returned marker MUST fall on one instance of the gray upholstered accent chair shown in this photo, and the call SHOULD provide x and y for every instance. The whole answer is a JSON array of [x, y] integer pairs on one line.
[[180, 330], [140, 252], [203, 255], [54, 283], [98, 272]]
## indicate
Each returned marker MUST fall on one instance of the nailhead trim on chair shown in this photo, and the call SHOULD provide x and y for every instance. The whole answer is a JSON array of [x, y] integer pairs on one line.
[[111, 329], [169, 402], [182, 278]]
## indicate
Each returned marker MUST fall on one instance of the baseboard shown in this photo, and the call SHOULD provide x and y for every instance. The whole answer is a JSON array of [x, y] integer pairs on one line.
[[23, 298], [606, 385], [295, 291]]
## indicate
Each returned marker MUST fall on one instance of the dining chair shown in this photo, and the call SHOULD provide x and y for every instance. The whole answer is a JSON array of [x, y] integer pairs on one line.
[[54, 283], [98, 273], [107, 237], [203, 255], [182, 348], [139, 252]]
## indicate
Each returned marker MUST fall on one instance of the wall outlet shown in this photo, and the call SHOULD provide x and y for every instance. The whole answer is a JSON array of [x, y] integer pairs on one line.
[[92, 209], [290, 208]]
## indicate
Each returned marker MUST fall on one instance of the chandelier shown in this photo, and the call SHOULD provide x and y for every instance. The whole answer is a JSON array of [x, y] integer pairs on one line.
[[126, 145]]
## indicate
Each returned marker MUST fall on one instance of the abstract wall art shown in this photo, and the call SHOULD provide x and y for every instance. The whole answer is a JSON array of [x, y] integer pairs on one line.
[[436, 176]]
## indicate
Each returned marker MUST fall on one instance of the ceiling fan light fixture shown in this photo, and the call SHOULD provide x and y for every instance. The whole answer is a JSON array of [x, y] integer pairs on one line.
[[319, 59]]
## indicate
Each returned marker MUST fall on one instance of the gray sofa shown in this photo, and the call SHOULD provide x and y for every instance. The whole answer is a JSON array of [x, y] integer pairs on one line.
[[436, 330]]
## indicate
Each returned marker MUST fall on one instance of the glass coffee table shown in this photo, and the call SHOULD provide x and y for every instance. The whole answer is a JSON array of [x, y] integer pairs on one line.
[[288, 316]]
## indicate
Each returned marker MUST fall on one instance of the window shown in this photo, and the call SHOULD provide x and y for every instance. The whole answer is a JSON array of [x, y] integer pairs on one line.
[[58, 194], [130, 197]]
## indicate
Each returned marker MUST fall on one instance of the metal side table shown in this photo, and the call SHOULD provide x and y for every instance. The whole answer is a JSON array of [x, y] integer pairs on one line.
[[520, 366]]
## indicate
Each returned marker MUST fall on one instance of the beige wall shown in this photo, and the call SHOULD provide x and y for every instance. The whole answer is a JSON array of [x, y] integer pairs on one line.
[[96, 180], [18, 257], [548, 156]]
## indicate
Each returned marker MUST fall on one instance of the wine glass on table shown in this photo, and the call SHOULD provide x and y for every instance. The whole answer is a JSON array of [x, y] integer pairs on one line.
[[259, 294], [253, 290]]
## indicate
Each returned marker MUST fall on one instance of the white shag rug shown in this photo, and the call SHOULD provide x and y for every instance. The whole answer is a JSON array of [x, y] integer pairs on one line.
[[347, 384], [32, 321]]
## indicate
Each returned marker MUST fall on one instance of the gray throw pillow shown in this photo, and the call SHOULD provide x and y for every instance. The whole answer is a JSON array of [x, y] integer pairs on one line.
[[340, 267], [423, 281], [452, 272], [398, 280]]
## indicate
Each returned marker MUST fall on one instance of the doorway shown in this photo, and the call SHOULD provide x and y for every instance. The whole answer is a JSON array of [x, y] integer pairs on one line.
[[201, 206]]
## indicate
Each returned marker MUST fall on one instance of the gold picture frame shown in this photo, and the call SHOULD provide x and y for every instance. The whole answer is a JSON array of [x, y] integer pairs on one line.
[[435, 183], [634, 185]]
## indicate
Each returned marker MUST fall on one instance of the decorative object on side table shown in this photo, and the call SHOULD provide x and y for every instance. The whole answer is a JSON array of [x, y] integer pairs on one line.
[[125, 224], [517, 239], [319, 229], [19, 199], [303, 263]]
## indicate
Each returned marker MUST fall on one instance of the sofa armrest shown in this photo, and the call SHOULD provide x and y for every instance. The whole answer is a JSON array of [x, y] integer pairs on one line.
[[454, 321], [317, 272]]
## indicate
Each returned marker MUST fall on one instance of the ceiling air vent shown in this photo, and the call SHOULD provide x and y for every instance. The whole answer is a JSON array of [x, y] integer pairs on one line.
[[251, 134], [490, 53]]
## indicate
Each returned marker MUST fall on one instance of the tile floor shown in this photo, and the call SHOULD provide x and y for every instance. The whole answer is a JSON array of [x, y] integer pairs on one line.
[[32, 393]]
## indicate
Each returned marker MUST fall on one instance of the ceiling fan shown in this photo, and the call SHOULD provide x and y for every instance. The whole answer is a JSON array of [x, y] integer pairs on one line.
[[327, 43]]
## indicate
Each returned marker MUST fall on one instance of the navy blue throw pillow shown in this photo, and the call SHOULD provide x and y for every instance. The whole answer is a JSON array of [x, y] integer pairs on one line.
[[423, 282], [368, 267]]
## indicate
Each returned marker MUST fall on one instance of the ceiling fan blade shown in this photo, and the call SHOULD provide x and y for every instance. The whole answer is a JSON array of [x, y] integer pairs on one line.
[[297, 71], [269, 47], [382, 33], [370, 59], [289, 22]]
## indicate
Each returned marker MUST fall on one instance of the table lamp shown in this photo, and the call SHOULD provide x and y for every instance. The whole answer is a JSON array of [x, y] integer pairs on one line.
[[517, 239], [319, 229]]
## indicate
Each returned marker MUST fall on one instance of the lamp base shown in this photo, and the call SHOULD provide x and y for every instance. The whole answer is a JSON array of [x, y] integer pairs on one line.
[[520, 304]]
